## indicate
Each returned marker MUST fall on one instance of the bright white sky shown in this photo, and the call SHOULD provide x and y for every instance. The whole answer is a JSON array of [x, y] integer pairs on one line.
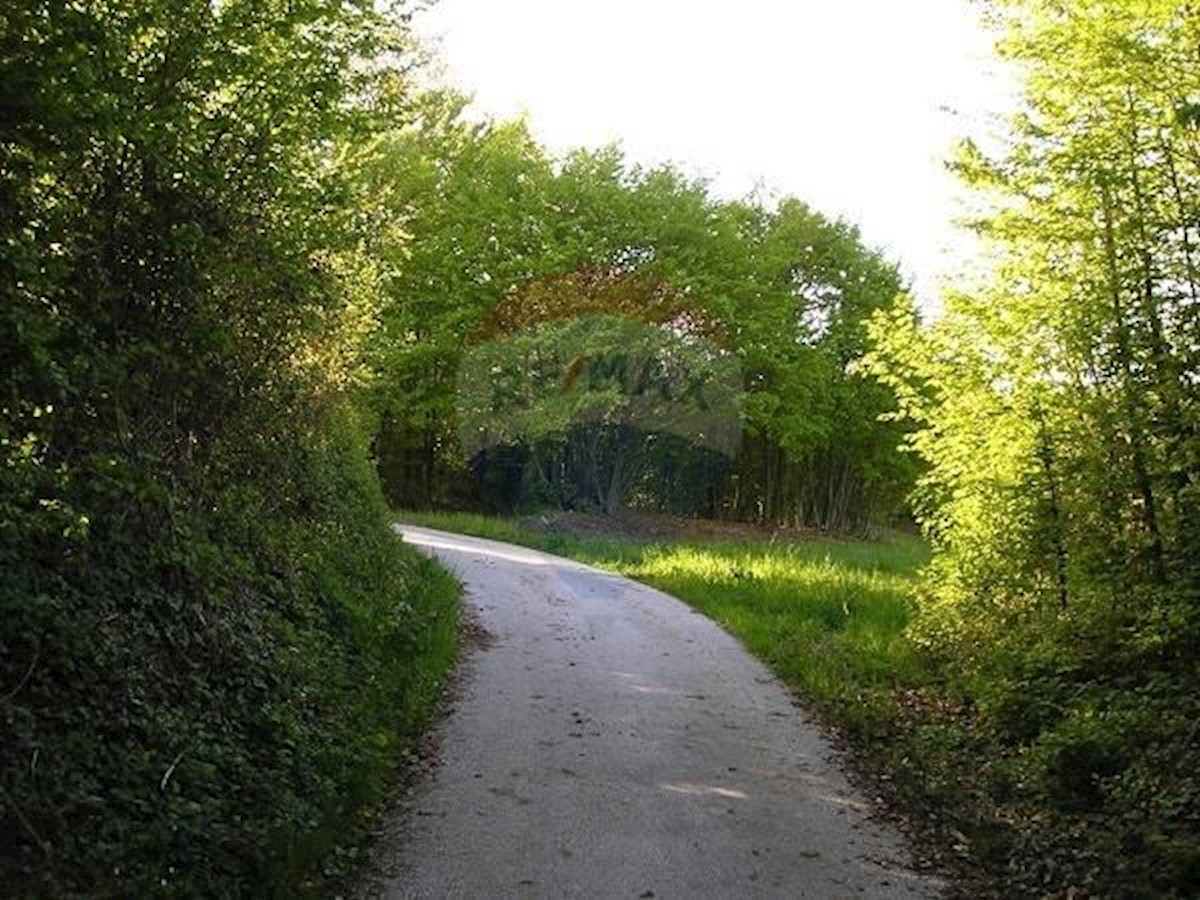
[[850, 105]]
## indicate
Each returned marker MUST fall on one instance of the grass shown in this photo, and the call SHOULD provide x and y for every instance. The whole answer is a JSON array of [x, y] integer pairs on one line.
[[404, 700], [1098, 800], [827, 615]]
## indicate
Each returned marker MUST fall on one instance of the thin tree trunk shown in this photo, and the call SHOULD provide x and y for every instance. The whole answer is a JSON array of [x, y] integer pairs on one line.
[[1046, 458], [1132, 402]]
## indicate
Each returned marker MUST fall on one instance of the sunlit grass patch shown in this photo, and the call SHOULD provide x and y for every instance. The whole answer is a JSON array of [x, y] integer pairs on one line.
[[827, 615]]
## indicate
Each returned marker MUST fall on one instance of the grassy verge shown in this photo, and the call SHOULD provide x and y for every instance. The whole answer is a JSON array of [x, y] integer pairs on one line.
[[396, 703], [1037, 775], [827, 615]]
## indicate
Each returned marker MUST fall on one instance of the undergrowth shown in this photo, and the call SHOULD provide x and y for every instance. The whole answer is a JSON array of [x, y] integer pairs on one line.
[[207, 693]]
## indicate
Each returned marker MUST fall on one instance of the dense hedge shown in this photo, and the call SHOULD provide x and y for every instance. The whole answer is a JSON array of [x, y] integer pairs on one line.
[[201, 706], [211, 644]]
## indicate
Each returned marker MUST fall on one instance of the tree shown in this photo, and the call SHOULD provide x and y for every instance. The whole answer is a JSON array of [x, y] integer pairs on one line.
[[784, 289], [208, 627], [1054, 408], [1079, 351]]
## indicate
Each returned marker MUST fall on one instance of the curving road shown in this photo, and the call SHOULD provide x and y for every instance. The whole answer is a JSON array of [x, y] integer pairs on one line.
[[608, 741]]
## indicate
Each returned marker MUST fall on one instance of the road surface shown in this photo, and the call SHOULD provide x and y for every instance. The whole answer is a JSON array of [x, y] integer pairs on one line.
[[607, 741]]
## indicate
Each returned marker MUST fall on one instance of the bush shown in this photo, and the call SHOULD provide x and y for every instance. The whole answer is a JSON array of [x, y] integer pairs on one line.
[[207, 711], [211, 644]]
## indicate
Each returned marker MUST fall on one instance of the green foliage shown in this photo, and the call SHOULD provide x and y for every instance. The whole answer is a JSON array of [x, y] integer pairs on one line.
[[212, 644], [1055, 412], [597, 399], [502, 238]]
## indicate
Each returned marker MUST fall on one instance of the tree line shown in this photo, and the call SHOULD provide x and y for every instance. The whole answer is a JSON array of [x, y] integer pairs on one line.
[[502, 238], [212, 647]]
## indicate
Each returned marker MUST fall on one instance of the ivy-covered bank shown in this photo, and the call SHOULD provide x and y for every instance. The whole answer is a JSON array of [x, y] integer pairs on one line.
[[212, 646]]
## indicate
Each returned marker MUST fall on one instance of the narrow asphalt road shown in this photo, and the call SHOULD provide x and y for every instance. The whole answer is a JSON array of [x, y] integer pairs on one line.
[[607, 741]]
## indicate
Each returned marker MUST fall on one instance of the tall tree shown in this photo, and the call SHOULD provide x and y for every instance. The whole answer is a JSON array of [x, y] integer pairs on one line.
[[206, 624], [1085, 340], [789, 290], [1055, 408]]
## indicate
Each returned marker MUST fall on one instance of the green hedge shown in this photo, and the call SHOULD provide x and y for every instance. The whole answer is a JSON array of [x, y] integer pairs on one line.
[[207, 708], [211, 643]]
